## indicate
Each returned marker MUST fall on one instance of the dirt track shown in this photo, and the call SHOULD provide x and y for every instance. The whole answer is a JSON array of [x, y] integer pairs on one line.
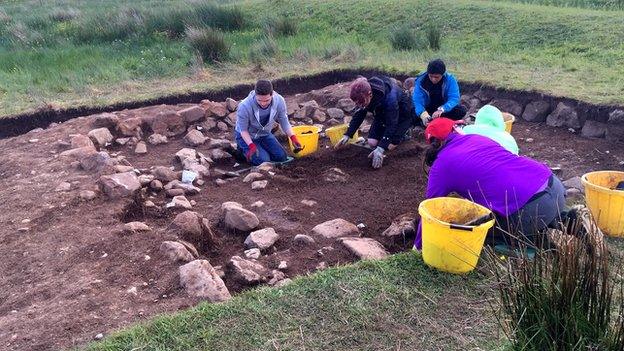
[[66, 278]]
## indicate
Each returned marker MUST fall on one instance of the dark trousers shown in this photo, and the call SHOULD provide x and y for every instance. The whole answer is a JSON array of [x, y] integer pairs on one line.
[[378, 130], [458, 112]]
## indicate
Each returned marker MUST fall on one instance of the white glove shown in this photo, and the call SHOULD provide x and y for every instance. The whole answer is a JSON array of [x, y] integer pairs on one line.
[[425, 118], [377, 155], [342, 142]]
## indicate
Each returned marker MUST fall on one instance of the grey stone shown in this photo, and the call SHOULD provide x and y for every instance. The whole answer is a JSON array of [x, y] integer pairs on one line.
[[87, 194], [231, 104], [302, 239], [401, 226], [168, 123], [187, 225], [105, 120], [141, 148], [175, 251], [309, 203], [157, 139], [156, 185], [200, 279], [219, 144], [335, 228], [81, 141], [259, 184], [364, 248], [616, 117], [574, 182], [253, 254], [335, 113], [101, 136], [119, 184], [347, 105], [246, 272], [261, 239], [130, 127], [135, 227], [215, 109], [97, 161], [236, 217], [164, 174], [564, 115], [174, 192], [192, 114], [593, 129], [508, 105], [180, 202], [219, 155], [536, 111], [194, 138], [615, 132], [63, 187], [253, 176]]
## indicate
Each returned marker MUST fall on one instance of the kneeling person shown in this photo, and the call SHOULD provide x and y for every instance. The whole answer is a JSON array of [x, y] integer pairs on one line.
[[255, 118], [392, 111]]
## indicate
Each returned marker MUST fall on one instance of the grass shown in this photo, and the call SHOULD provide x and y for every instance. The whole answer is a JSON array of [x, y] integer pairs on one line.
[[397, 303], [66, 54], [590, 4]]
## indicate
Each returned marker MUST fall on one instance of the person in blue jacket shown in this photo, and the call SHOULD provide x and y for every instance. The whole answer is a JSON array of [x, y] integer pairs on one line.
[[392, 110], [436, 94]]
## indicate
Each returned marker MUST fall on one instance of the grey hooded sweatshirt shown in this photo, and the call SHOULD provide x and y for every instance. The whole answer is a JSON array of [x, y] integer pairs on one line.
[[248, 116]]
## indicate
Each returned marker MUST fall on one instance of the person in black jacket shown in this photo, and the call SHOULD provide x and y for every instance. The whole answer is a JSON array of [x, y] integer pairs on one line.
[[392, 110]]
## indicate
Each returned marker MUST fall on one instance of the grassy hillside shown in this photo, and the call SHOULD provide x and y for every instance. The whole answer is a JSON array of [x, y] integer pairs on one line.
[[64, 53], [395, 304]]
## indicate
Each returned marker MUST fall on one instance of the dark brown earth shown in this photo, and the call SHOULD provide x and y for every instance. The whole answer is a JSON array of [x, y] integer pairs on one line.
[[66, 278]]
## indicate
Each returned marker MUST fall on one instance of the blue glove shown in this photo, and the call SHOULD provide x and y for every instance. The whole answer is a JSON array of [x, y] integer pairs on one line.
[[377, 155]]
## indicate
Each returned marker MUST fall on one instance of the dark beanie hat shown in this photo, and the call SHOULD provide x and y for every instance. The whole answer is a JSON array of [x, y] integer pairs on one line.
[[436, 66]]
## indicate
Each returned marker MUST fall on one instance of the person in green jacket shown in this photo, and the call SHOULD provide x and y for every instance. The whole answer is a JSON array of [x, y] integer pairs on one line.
[[489, 122]]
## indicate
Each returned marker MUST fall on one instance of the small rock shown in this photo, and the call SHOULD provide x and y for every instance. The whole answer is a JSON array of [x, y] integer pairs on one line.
[[168, 123], [200, 279], [572, 192], [594, 129], [616, 117], [122, 141], [259, 184], [257, 204], [63, 186], [335, 113], [321, 265], [157, 139], [309, 203], [282, 282], [246, 272], [135, 227], [179, 202], [335, 175], [80, 140], [574, 182], [283, 265], [261, 239], [175, 251], [145, 179], [222, 126], [253, 176], [23, 229], [347, 105], [401, 227], [265, 167], [252, 253], [99, 336], [288, 210], [302, 239], [192, 114], [141, 148], [276, 277], [156, 185], [536, 111], [564, 115], [164, 174], [132, 291], [174, 192], [364, 248], [219, 155], [529, 140], [187, 224], [87, 195], [220, 182], [361, 225], [335, 228], [123, 169]]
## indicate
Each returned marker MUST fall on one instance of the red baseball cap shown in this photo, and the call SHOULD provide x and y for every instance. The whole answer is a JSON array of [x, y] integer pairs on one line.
[[440, 128]]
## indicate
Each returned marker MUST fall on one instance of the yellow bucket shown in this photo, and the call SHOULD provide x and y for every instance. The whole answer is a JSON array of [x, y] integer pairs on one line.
[[308, 137], [509, 120], [449, 247], [335, 133], [605, 204]]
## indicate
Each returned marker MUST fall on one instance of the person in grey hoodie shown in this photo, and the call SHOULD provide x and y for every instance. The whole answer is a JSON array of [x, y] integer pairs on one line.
[[255, 118]]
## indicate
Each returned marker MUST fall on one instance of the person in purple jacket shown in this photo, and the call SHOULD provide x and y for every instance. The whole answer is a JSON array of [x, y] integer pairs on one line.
[[524, 195]]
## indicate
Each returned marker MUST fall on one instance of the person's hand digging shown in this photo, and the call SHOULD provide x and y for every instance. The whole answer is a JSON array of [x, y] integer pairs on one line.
[[342, 142], [253, 150], [438, 112], [377, 155], [296, 144]]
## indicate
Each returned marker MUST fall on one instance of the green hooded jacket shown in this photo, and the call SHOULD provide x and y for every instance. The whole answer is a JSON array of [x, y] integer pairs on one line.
[[489, 122]]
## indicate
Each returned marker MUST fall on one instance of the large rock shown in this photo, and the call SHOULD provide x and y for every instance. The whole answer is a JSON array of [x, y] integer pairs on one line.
[[335, 228], [192, 114], [574, 182], [180, 202], [219, 144], [130, 127], [231, 119], [164, 174], [564, 115], [101, 136], [79, 152], [186, 154], [509, 106], [105, 120], [536, 111], [231, 104], [236, 217], [261, 239], [246, 272], [401, 226], [308, 110], [215, 109], [194, 138], [188, 225], [119, 184], [615, 132], [200, 279], [364, 248], [347, 105], [97, 162], [219, 155], [187, 188], [81, 141], [616, 117], [175, 251], [168, 123], [593, 129]]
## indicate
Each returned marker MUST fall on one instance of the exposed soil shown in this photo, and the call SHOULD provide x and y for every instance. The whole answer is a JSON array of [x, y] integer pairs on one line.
[[66, 278]]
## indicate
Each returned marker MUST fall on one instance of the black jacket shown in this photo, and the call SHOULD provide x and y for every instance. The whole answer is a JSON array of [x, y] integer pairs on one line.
[[389, 103]]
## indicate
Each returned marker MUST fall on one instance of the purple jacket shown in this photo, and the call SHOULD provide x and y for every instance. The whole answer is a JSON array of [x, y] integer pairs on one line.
[[479, 169]]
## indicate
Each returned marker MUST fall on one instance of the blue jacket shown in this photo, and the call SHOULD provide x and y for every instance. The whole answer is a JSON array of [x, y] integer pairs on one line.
[[389, 105], [450, 92], [248, 116]]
